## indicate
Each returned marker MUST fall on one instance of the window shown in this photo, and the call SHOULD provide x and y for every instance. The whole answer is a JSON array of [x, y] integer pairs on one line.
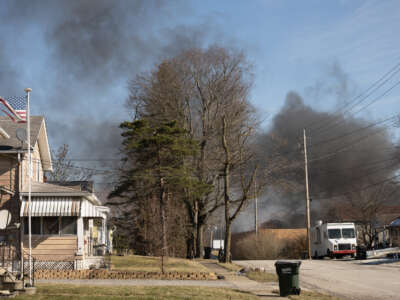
[[50, 225], [334, 233], [35, 225], [348, 233], [68, 225]]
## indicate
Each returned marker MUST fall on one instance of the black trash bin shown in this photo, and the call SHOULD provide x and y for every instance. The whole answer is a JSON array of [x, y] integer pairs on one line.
[[288, 273], [361, 252], [207, 252]]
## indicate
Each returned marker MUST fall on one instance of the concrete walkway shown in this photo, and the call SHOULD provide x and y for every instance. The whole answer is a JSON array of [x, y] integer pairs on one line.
[[231, 280], [140, 282], [242, 283]]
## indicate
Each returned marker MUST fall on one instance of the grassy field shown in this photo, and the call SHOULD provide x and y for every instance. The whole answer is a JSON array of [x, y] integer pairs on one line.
[[153, 264], [61, 292]]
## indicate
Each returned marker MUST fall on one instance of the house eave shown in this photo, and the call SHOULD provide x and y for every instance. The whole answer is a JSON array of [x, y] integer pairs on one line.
[[4, 134], [25, 194], [91, 197]]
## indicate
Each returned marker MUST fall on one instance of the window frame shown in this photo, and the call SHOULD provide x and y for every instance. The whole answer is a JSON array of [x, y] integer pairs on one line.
[[59, 221], [75, 226], [334, 230]]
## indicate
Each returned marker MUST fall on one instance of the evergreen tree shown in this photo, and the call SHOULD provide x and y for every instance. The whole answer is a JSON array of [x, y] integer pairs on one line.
[[155, 168]]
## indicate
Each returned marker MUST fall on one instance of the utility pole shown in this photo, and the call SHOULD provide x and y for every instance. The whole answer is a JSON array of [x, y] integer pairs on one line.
[[307, 196], [255, 207]]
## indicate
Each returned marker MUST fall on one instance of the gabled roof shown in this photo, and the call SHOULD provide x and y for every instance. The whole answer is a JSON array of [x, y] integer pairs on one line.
[[11, 128], [38, 135], [47, 188], [40, 189]]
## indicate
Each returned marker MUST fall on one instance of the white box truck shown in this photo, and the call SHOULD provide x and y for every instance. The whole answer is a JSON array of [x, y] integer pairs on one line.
[[333, 240]]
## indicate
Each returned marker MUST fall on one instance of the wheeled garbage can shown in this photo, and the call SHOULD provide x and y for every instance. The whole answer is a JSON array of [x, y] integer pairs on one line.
[[288, 273], [207, 252]]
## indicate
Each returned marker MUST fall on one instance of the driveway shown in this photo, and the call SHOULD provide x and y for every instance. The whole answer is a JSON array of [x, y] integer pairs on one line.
[[349, 279]]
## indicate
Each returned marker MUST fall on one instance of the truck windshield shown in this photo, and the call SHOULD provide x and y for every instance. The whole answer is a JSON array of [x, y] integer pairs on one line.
[[348, 233], [334, 233]]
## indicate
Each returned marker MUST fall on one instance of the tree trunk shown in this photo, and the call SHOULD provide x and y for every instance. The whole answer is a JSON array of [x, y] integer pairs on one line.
[[199, 250], [226, 176], [163, 217], [227, 248], [195, 229]]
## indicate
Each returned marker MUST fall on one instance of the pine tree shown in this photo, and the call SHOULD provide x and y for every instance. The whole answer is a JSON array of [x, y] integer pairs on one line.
[[155, 167]]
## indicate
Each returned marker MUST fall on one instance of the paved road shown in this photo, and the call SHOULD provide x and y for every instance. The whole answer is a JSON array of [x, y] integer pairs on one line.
[[349, 279]]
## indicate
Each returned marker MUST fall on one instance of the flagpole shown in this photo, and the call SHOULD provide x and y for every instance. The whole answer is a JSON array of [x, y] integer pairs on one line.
[[28, 134]]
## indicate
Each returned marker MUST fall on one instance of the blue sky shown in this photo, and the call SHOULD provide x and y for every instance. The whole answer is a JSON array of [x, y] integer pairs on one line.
[[327, 51], [296, 44]]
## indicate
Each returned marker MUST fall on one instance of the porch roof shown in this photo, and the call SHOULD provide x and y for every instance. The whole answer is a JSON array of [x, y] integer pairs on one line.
[[42, 189], [63, 206], [46, 207]]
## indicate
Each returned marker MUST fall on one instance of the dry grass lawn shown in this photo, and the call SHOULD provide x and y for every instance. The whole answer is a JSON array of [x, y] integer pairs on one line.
[[307, 295], [153, 264], [262, 276], [230, 267], [312, 296], [253, 275], [64, 292]]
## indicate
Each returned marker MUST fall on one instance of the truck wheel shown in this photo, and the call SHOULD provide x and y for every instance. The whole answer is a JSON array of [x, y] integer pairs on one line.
[[329, 254]]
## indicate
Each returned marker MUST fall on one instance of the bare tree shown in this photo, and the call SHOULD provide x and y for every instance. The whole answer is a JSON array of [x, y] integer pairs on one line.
[[236, 156], [65, 170], [196, 88], [367, 207]]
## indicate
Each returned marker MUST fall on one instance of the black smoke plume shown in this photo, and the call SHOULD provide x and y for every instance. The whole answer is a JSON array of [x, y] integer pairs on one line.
[[79, 55], [345, 154]]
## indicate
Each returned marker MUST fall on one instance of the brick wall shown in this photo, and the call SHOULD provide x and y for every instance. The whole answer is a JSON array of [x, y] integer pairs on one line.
[[105, 274]]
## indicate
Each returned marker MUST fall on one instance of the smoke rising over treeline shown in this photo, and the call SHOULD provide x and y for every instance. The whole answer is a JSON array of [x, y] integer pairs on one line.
[[346, 155], [79, 55]]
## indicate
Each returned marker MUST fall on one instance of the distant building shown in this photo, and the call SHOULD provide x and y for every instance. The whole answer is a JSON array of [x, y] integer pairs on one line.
[[394, 232]]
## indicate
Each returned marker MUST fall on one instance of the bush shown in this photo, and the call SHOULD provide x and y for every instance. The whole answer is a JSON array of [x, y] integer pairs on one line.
[[268, 245], [294, 248]]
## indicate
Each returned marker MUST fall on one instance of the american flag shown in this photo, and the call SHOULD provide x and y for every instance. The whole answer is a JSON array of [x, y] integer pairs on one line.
[[16, 108]]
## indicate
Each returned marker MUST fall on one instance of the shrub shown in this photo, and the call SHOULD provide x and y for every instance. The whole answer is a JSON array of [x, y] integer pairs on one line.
[[268, 244]]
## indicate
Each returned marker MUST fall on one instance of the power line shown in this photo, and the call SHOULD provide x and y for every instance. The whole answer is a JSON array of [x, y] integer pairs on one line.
[[361, 189], [355, 167], [73, 166], [346, 147], [336, 123], [354, 131], [363, 95]]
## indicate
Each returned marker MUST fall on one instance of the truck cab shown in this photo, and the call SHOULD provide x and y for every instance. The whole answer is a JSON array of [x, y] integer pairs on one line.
[[333, 239]]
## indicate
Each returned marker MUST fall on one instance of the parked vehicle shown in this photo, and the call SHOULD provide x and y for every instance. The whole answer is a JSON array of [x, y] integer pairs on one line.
[[333, 239]]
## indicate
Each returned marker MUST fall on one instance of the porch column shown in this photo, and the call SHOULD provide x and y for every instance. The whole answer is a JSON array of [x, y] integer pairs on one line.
[[103, 225], [80, 236]]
